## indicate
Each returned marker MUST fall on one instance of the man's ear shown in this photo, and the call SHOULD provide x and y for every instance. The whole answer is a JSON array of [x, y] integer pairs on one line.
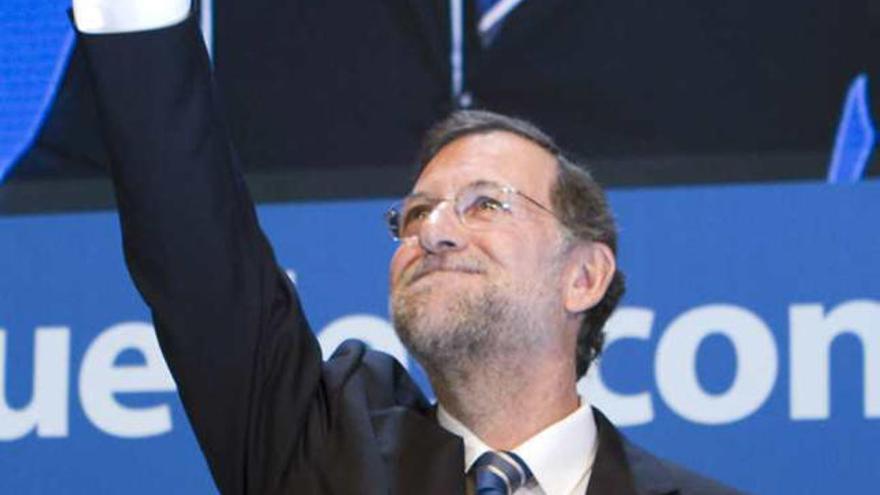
[[591, 267]]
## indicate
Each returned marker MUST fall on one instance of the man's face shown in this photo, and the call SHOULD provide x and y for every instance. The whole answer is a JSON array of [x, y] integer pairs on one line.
[[457, 291]]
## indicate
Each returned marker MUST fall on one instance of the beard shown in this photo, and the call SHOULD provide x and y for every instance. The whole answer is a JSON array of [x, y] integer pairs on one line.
[[453, 331]]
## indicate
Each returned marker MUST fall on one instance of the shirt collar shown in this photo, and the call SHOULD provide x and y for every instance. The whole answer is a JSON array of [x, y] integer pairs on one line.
[[557, 460]]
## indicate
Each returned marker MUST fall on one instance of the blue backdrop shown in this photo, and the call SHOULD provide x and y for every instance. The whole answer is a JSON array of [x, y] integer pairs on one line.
[[747, 347]]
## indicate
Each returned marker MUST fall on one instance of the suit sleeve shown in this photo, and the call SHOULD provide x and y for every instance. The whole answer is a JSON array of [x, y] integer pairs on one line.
[[228, 319]]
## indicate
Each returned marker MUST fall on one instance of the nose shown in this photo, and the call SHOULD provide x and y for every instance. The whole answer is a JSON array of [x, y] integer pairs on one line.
[[442, 231]]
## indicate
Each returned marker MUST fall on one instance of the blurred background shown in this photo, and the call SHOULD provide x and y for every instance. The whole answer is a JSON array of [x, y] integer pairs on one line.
[[649, 93], [738, 140]]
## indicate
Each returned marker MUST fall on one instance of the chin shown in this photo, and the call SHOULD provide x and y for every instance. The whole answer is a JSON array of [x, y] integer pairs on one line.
[[442, 326]]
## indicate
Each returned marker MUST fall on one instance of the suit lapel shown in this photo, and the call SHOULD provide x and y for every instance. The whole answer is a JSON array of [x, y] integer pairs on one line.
[[421, 456], [619, 466], [611, 471]]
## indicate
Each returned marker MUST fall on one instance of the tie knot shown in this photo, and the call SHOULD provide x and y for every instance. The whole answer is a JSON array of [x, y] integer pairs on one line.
[[499, 472]]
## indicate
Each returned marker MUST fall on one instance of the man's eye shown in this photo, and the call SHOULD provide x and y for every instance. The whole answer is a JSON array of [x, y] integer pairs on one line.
[[486, 203], [416, 213]]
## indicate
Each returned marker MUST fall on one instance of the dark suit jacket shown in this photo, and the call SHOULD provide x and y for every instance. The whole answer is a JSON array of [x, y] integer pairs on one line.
[[270, 416]]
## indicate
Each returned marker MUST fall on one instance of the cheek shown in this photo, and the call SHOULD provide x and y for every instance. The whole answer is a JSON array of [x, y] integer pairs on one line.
[[511, 250], [526, 259], [402, 258]]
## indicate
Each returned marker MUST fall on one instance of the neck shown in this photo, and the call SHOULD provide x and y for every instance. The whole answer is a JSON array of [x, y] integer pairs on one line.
[[505, 404]]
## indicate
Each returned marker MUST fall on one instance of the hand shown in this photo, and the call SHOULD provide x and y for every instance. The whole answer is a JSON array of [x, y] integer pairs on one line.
[[123, 16]]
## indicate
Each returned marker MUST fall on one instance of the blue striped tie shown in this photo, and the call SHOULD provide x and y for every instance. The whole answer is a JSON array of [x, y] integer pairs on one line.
[[499, 473]]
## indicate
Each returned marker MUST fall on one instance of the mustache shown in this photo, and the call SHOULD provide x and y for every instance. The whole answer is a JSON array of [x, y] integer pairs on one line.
[[431, 264]]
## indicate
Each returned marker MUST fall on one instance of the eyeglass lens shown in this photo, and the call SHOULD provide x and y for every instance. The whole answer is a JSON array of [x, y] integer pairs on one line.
[[477, 206]]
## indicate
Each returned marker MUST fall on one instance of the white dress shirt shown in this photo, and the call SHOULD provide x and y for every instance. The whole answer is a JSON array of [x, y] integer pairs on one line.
[[560, 456], [125, 16]]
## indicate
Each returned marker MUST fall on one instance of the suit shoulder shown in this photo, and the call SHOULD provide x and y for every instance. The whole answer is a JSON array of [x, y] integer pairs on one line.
[[651, 472], [356, 369]]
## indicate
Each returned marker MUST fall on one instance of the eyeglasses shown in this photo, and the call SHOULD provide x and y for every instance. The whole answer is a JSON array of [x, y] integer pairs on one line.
[[480, 205]]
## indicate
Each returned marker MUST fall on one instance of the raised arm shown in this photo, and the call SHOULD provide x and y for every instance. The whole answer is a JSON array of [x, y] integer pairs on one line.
[[228, 320]]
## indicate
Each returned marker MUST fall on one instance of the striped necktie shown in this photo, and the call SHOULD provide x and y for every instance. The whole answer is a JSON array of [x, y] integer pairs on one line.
[[499, 473]]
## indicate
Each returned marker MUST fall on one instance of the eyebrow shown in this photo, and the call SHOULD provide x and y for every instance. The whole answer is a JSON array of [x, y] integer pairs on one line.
[[476, 183], [484, 182]]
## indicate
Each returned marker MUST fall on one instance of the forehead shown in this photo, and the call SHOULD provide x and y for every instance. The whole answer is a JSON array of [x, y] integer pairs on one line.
[[497, 156]]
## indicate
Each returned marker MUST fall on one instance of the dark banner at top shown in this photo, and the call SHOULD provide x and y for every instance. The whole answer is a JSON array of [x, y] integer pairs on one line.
[[648, 92]]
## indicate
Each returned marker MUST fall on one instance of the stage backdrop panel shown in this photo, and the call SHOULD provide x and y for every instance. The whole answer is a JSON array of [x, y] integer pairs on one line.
[[747, 347]]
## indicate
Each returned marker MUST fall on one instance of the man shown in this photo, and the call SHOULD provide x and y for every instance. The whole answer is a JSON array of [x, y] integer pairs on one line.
[[504, 276], [498, 296]]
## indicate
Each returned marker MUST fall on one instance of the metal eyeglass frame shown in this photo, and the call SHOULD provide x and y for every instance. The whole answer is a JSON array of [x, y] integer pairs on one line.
[[393, 214]]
